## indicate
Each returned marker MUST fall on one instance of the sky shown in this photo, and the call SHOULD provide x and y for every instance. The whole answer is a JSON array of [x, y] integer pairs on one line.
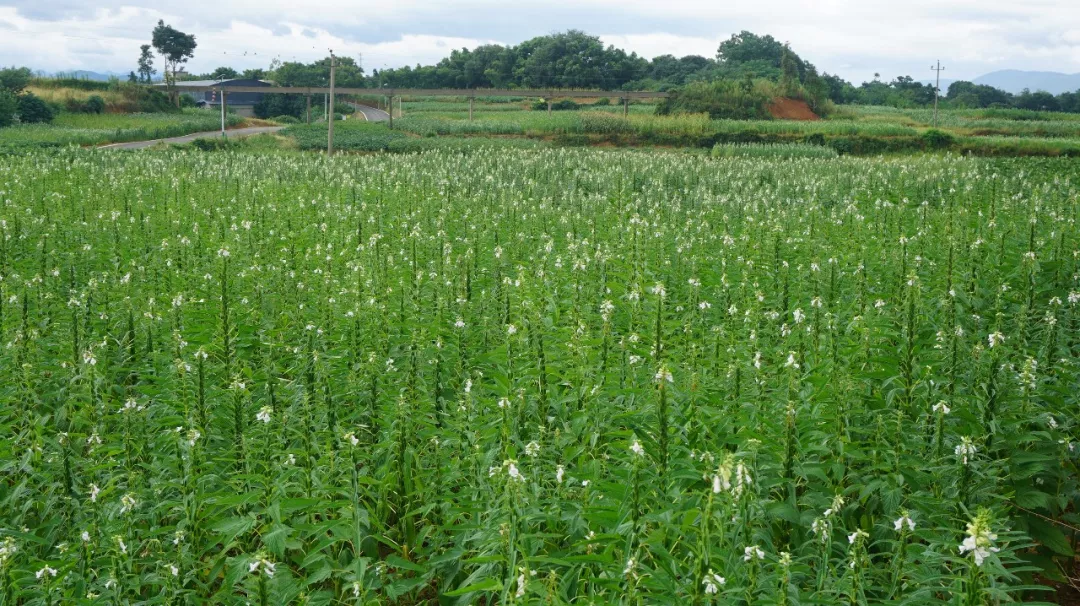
[[852, 38]]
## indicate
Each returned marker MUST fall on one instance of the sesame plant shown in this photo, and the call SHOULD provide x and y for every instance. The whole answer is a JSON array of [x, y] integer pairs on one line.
[[544, 376]]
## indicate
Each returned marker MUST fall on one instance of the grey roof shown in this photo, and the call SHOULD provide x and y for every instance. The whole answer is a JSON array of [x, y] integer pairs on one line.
[[185, 83]]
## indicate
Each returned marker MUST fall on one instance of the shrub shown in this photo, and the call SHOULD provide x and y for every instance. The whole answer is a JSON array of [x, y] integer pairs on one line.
[[94, 105], [32, 109], [561, 105], [719, 99], [285, 119], [936, 139], [603, 101]]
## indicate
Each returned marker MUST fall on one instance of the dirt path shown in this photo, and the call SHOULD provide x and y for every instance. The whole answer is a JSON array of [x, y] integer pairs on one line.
[[237, 132]]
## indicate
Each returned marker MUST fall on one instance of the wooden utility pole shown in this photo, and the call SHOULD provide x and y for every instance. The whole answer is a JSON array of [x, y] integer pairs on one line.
[[330, 110], [549, 106], [390, 106], [937, 88], [471, 99], [625, 106], [308, 108]]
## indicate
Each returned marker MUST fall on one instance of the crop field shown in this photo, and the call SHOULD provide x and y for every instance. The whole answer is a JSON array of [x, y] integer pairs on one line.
[[544, 376]]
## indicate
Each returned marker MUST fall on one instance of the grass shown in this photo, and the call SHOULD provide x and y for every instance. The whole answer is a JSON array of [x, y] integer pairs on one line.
[[96, 129], [543, 376]]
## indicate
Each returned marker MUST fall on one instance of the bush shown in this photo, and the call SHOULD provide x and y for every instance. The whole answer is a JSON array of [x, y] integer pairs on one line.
[[719, 99], [32, 109], [561, 105], [94, 105], [603, 101], [936, 139], [285, 119]]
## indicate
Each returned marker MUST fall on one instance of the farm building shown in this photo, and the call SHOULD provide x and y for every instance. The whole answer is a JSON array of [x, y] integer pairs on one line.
[[242, 103]]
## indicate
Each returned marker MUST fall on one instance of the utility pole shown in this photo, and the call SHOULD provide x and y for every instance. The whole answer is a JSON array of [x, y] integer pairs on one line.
[[390, 106], [221, 91], [330, 113], [937, 88]]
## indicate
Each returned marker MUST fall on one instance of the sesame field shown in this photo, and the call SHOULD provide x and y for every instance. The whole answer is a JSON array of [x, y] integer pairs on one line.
[[537, 376]]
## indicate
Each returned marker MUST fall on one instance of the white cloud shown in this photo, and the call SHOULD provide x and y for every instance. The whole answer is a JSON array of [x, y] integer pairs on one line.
[[851, 37]]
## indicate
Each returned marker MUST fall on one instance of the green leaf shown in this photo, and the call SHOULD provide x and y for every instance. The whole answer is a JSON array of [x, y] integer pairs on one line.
[[485, 585]]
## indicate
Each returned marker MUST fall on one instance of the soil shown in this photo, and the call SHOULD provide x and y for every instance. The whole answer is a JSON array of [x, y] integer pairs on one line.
[[783, 108]]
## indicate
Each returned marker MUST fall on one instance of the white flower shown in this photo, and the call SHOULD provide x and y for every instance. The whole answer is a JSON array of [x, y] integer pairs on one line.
[[511, 329], [127, 503], [85, 536], [637, 449], [261, 564], [658, 290], [858, 534], [994, 338], [980, 540], [664, 375], [520, 586], [459, 323], [223, 252], [713, 582], [532, 449], [264, 414], [94, 492], [174, 569], [45, 572], [902, 521], [351, 438], [942, 408], [630, 564], [193, 436], [752, 552], [798, 315], [560, 471], [879, 304], [965, 449], [820, 528]]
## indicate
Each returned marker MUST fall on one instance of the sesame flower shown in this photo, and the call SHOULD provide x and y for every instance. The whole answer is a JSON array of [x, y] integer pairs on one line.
[[264, 414], [980, 539], [713, 582], [904, 521], [753, 552]]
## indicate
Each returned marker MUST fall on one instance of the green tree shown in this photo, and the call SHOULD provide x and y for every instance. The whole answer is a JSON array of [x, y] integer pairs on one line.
[[9, 106], [15, 79], [32, 109], [175, 48], [255, 73], [146, 64], [223, 73]]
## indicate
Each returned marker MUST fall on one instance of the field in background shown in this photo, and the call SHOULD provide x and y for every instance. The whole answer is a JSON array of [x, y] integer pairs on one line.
[[96, 129]]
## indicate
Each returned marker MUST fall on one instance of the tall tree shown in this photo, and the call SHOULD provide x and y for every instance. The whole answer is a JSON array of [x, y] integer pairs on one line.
[[146, 64], [175, 47], [223, 73]]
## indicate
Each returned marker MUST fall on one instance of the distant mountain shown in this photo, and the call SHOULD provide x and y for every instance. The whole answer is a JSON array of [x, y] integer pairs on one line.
[[1016, 80]]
